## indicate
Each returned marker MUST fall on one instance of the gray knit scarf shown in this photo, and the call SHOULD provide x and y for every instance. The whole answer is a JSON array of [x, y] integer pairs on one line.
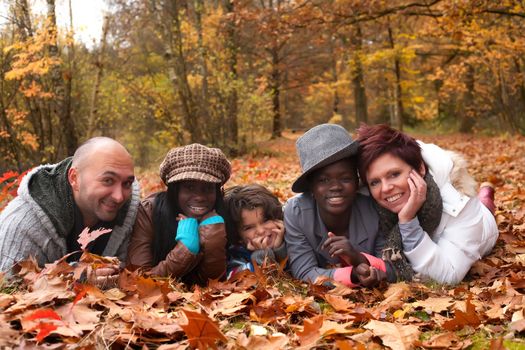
[[429, 216], [50, 188]]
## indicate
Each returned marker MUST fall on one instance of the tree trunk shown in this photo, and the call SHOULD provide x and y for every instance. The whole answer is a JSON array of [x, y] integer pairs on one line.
[[358, 81], [275, 84], [467, 116], [37, 111], [204, 105], [11, 141], [58, 104], [335, 77], [174, 55], [399, 111], [99, 64], [232, 126]]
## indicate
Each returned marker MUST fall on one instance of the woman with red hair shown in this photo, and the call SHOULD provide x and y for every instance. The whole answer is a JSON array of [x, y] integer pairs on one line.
[[434, 224]]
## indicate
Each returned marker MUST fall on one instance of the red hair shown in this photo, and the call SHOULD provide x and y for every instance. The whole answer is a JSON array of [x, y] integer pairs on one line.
[[376, 140]]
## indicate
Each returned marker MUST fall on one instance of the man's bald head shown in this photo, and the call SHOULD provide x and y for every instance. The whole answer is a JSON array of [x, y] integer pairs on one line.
[[96, 145], [101, 177]]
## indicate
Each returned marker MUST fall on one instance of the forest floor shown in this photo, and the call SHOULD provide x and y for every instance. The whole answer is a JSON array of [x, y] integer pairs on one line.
[[267, 309]]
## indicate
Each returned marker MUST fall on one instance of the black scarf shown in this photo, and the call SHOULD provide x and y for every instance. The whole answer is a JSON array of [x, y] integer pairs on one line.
[[429, 216]]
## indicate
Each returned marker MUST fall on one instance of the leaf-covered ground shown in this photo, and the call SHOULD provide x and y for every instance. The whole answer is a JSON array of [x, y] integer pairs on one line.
[[268, 310]]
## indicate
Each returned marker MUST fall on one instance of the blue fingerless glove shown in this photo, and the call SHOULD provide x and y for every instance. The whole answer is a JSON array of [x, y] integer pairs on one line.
[[188, 234], [217, 219]]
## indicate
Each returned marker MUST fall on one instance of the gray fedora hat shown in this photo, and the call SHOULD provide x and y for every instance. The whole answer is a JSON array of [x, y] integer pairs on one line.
[[320, 146]]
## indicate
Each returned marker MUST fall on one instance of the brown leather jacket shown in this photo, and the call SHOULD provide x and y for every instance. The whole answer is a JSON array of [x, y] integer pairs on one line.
[[209, 263]]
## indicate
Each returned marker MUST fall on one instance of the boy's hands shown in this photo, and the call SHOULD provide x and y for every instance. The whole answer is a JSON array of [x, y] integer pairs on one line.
[[341, 246], [278, 233], [272, 237]]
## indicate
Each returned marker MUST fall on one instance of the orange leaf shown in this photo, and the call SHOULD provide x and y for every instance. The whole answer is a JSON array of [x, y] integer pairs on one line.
[[311, 332], [462, 319], [81, 290], [43, 330], [42, 313], [201, 331]]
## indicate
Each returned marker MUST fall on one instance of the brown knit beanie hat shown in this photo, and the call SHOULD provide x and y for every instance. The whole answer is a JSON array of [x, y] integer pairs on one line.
[[195, 162]]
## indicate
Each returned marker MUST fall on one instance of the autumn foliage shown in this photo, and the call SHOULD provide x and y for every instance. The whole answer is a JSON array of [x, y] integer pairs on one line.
[[54, 308]]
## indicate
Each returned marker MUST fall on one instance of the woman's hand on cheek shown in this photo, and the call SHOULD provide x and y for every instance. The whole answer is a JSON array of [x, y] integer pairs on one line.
[[418, 195]]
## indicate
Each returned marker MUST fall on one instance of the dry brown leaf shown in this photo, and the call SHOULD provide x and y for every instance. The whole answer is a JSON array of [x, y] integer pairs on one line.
[[201, 331], [173, 347], [434, 304], [296, 303], [518, 326], [339, 303], [79, 314], [331, 328], [6, 300], [311, 332], [447, 340], [462, 319], [258, 342], [393, 335], [231, 304]]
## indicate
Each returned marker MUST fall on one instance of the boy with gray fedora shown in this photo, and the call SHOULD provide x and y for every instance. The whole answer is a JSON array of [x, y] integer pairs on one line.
[[331, 228]]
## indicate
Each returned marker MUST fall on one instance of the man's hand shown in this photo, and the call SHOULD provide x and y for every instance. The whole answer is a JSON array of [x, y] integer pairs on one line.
[[418, 195], [103, 277], [341, 246], [369, 276]]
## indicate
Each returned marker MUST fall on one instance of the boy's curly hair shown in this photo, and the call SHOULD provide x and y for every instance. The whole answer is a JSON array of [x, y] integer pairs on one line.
[[249, 197]]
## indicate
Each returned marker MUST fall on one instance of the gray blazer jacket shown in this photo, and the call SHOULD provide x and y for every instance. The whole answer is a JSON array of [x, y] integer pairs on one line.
[[306, 232]]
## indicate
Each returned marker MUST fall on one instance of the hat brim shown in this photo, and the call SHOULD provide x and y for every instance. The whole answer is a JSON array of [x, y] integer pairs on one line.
[[301, 184], [194, 175]]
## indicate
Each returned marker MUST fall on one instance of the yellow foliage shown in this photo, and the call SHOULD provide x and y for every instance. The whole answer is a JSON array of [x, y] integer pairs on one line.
[[15, 116], [29, 140]]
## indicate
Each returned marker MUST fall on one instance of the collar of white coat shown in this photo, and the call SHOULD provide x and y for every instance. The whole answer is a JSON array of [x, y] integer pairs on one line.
[[440, 165]]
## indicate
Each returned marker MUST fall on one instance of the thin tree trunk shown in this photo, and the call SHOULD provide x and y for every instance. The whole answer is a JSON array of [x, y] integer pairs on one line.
[[232, 128], [467, 116], [58, 104], [275, 84], [204, 105], [68, 74], [335, 78], [358, 81], [99, 64], [399, 110], [11, 140], [173, 41]]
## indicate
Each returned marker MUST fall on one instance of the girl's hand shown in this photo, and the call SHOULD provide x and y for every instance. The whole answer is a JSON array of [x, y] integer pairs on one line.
[[418, 195], [341, 246], [369, 276], [181, 217]]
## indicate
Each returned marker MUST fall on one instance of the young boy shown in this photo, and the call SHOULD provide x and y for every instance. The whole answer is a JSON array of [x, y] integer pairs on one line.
[[256, 229]]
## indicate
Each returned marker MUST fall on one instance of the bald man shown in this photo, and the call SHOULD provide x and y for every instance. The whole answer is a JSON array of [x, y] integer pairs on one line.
[[95, 188]]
